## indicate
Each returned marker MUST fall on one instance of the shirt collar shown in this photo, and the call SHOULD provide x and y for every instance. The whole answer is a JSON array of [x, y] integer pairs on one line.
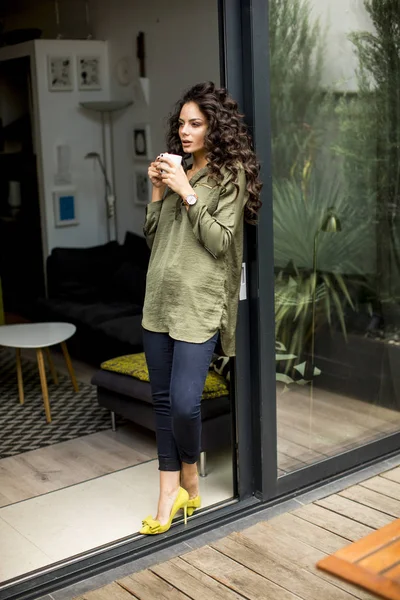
[[198, 175]]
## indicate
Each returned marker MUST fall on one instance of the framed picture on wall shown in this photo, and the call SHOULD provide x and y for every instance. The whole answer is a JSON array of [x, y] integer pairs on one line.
[[142, 187], [65, 213], [59, 73], [89, 73], [141, 142]]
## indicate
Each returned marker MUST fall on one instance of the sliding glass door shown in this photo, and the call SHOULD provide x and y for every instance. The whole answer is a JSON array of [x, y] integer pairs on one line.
[[333, 112]]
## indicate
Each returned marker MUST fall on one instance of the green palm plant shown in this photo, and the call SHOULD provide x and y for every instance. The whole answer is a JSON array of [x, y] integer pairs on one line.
[[297, 219], [309, 177], [369, 139]]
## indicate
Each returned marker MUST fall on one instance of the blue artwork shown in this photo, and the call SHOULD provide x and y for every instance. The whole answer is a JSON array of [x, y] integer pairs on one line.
[[67, 208], [65, 212]]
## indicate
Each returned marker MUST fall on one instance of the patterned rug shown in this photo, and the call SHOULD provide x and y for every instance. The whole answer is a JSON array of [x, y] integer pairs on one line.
[[24, 427]]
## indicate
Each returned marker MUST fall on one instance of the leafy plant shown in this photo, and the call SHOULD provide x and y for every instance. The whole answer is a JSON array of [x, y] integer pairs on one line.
[[296, 59], [297, 223], [308, 179], [369, 139], [297, 371]]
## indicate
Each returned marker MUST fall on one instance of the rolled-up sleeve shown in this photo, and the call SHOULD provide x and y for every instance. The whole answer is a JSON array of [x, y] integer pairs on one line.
[[153, 212], [215, 232]]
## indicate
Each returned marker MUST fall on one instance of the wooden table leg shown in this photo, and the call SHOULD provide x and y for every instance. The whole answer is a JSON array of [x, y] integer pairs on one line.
[[19, 376], [42, 373], [51, 366], [69, 366]]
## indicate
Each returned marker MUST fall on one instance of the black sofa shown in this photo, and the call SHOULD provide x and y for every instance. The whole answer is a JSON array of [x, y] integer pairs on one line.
[[101, 290]]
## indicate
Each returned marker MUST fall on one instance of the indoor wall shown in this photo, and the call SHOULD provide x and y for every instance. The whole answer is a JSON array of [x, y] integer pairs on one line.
[[181, 46]]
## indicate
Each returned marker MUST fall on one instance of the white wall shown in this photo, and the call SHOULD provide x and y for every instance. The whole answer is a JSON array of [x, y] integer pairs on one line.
[[58, 119], [182, 48], [62, 121]]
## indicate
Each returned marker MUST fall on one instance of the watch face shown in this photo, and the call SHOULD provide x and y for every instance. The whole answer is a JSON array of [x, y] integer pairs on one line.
[[191, 199]]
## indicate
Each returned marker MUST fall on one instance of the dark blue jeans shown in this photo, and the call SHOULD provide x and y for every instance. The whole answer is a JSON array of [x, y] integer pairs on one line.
[[178, 372]]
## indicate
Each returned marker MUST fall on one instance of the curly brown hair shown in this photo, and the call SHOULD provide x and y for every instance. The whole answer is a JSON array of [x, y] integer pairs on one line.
[[227, 141]]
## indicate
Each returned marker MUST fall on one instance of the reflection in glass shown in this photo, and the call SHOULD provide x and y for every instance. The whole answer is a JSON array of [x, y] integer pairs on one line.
[[335, 116]]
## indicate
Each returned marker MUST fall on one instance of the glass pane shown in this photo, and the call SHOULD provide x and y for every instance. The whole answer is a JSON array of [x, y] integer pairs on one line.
[[336, 154], [87, 478]]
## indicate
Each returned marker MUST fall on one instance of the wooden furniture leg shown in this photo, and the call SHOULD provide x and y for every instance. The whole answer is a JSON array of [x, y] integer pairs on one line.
[[19, 376], [69, 366], [42, 373], [51, 366]]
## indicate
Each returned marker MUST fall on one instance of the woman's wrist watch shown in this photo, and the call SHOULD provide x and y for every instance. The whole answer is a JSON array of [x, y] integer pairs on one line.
[[190, 199]]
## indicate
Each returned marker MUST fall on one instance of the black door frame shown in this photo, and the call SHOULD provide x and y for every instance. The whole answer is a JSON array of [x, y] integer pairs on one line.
[[245, 417], [245, 60]]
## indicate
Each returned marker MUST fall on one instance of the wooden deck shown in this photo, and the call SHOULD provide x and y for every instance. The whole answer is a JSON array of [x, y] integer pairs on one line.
[[273, 560]]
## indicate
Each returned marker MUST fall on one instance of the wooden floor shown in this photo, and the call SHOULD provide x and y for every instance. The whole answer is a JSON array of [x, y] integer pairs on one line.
[[57, 466], [273, 560], [310, 429]]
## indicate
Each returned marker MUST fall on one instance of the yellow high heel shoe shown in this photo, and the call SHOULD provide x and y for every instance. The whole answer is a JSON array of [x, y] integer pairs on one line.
[[193, 504], [152, 527]]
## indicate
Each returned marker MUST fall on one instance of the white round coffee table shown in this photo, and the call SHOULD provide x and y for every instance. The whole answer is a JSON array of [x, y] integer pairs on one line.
[[38, 336]]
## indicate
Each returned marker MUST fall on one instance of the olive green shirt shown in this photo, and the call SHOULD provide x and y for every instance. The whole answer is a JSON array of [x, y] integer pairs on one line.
[[193, 279]]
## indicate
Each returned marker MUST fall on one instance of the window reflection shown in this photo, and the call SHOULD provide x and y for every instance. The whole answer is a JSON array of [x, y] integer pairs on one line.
[[335, 147]]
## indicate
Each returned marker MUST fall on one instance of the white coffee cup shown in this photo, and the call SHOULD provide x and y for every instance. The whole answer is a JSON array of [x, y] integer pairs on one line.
[[176, 159]]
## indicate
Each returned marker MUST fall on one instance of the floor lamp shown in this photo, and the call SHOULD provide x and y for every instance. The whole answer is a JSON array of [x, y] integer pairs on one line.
[[109, 195], [330, 224], [107, 108]]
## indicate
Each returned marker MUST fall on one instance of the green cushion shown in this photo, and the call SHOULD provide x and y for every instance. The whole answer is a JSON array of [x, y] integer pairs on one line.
[[135, 366]]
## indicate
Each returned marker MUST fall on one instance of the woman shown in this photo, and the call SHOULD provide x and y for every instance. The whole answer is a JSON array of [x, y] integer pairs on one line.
[[194, 227]]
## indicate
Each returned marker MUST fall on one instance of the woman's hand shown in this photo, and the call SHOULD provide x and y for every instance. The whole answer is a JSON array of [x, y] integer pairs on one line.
[[155, 175], [174, 177], [155, 178]]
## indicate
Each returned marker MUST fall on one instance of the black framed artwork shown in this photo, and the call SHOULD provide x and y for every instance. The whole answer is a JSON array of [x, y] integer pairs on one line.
[[141, 141]]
